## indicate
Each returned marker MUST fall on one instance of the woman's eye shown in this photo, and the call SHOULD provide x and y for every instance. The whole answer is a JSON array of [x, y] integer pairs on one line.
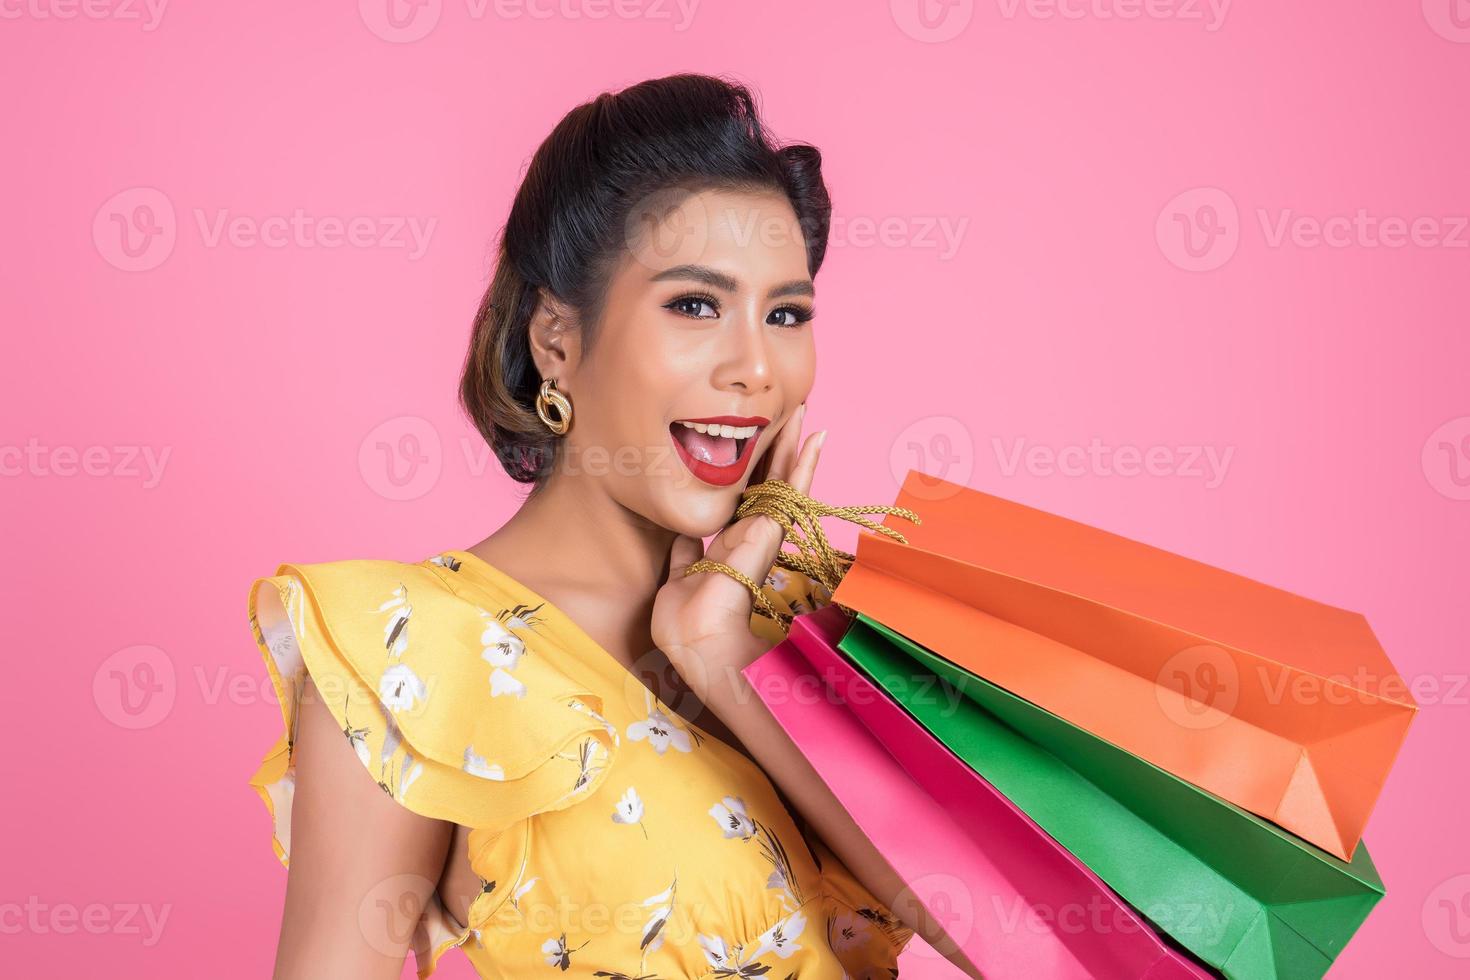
[[791, 316], [692, 305]]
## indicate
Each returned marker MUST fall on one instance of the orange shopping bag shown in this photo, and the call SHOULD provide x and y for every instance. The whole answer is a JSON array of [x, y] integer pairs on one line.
[[1284, 706]]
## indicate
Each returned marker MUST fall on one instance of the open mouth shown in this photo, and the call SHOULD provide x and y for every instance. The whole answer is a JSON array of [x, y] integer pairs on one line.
[[717, 450]]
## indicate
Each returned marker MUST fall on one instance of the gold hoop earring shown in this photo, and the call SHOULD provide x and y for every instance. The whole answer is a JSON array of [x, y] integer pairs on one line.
[[549, 397]]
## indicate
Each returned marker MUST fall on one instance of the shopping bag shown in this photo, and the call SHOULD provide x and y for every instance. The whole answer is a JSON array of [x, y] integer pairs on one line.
[[1281, 705], [1017, 903], [1242, 894]]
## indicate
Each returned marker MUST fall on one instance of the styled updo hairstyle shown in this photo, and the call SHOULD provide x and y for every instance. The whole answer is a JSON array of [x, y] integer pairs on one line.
[[566, 228]]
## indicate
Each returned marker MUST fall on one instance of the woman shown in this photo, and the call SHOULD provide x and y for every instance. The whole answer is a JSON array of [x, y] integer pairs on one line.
[[571, 774]]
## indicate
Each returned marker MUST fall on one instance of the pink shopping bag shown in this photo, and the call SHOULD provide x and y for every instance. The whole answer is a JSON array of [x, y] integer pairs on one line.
[[1014, 900]]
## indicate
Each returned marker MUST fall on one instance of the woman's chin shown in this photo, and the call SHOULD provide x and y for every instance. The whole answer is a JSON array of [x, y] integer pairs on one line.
[[700, 512]]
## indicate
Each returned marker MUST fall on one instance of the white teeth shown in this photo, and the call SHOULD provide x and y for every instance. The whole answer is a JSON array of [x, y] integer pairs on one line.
[[723, 431]]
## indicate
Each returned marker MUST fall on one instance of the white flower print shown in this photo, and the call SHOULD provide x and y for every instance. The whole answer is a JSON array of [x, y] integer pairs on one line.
[[503, 651], [475, 765], [522, 616], [727, 962], [660, 731], [716, 951], [663, 903], [408, 771], [629, 809], [515, 897], [395, 630], [501, 682], [411, 771], [502, 647], [281, 642], [591, 760], [579, 706], [357, 738], [782, 876], [400, 689], [446, 561], [781, 937], [736, 824], [730, 815], [557, 954], [392, 738]]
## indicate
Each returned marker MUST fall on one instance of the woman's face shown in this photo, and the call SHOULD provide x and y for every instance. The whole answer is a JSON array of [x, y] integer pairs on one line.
[[703, 352]]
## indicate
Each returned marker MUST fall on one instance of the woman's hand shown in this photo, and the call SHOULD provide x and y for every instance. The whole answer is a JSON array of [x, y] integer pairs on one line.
[[702, 622]]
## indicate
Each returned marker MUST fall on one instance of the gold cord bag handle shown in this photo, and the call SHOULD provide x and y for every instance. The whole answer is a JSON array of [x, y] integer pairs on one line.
[[799, 517]]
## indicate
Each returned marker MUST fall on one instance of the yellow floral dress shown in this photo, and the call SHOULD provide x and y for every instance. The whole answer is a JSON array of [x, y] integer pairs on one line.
[[613, 838]]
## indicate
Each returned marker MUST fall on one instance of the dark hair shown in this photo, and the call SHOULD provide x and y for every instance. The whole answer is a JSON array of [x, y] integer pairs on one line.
[[682, 133]]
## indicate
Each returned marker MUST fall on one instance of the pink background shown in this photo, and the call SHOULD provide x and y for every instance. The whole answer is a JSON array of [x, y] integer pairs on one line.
[[1065, 154]]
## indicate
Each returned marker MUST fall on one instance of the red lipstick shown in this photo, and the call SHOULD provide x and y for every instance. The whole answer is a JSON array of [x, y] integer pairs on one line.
[[760, 420], [712, 473]]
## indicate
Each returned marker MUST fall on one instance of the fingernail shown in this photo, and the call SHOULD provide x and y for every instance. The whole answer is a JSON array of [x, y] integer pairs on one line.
[[821, 438]]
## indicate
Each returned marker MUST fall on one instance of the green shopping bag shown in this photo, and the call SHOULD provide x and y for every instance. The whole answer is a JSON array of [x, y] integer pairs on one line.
[[1240, 893]]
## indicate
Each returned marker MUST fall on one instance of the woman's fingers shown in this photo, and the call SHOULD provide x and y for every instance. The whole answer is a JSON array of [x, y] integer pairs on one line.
[[685, 551], [806, 463], [750, 545], [783, 458], [783, 452]]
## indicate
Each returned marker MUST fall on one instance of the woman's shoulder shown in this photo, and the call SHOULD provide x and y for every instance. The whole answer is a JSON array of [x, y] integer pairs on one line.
[[448, 697], [386, 610], [364, 585]]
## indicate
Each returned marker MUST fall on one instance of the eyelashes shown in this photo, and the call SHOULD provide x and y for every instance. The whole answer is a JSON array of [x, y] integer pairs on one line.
[[795, 314], [799, 314]]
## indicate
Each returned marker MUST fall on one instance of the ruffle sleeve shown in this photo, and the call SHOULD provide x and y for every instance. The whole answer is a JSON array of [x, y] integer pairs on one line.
[[451, 708]]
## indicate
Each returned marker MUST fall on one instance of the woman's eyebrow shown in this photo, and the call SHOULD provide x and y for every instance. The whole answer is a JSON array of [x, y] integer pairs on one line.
[[719, 280], [796, 287]]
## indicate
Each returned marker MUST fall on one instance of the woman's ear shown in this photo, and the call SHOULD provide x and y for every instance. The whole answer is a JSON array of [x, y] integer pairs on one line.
[[556, 342]]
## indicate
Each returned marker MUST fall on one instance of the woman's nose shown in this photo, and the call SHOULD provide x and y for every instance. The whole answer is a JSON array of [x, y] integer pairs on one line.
[[746, 363]]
